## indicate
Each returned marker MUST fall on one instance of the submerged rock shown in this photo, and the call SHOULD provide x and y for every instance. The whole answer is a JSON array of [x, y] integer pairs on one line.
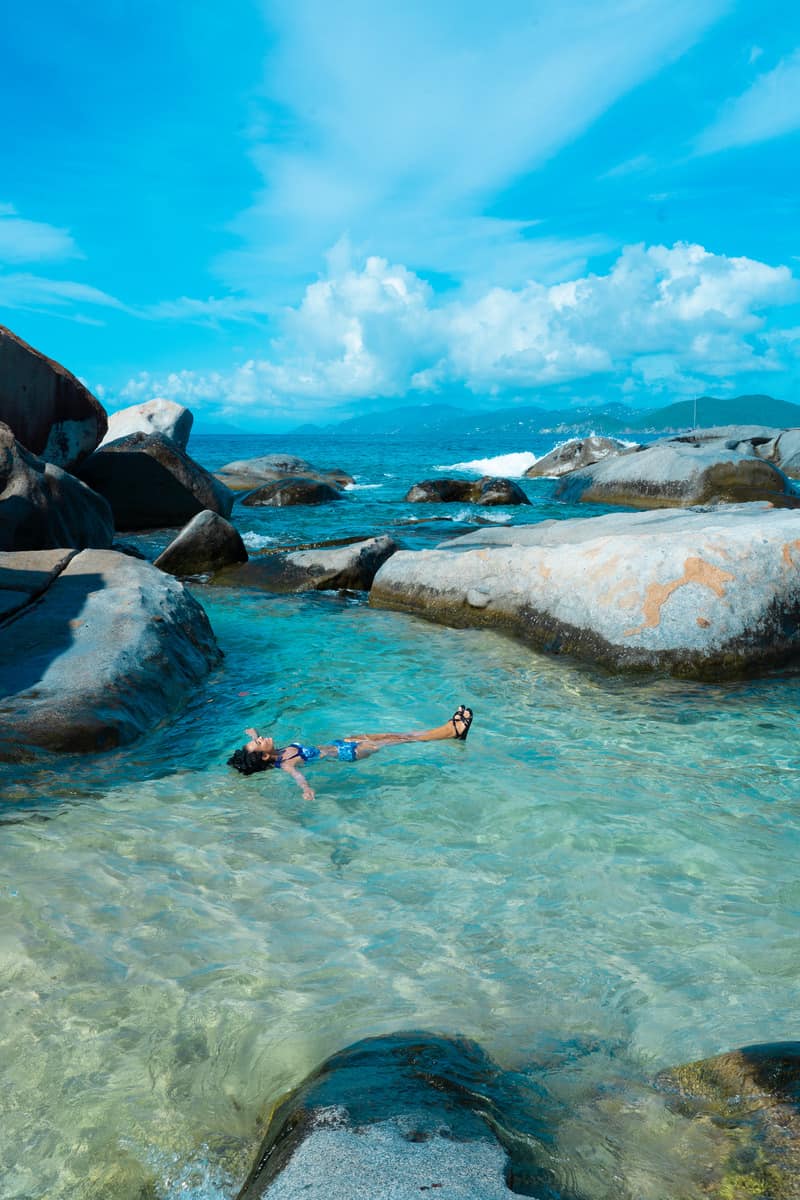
[[208, 543], [49, 411], [755, 1094], [151, 483], [680, 473], [399, 1116], [697, 593], [154, 416], [43, 507], [488, 490], [329, 566], [110, 648], [293, 490], [576, 454], [248, 473]]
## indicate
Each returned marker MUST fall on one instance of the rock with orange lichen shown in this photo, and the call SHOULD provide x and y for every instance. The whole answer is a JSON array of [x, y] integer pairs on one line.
[[704, 593]]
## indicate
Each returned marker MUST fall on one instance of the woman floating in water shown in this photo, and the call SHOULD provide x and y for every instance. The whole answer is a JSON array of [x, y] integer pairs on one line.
[[261, 753]]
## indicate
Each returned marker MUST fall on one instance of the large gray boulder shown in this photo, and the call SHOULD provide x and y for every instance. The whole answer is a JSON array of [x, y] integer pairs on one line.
[[42, 507], [111, 647], [576, 454], [702, 594], [151, 483], [154, 416], [295, 489], [488, 490], [26, 575], [48, 410], [398, 1117], [248, 473], [678, 473], [208, 543], [329, 566]]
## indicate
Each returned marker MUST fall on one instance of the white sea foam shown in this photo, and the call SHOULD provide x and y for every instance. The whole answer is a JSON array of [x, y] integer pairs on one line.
[[496, 518], [257, 541], [361, 487], [508, 465]]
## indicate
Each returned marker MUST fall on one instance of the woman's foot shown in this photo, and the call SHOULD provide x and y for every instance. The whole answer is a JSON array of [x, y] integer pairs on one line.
[[461, 721]]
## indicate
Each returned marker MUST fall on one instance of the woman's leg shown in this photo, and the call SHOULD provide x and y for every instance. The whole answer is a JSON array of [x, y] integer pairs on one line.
[[368, 743]]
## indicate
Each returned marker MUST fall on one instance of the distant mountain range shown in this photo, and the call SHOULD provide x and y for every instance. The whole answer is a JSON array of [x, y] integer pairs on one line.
[[611, 419]]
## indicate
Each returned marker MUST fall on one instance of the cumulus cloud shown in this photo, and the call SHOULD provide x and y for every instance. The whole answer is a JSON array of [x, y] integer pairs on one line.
[[768, 109], [23, 241], [662, 318]]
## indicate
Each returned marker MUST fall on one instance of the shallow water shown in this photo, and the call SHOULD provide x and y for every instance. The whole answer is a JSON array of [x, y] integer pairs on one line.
[[603, 878]]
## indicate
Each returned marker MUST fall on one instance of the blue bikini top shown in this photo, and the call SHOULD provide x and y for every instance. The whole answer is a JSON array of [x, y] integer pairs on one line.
[[306, 753]]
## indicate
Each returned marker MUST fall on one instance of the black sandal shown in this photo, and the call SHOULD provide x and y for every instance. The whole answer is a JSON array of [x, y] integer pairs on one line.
[[464, 715]]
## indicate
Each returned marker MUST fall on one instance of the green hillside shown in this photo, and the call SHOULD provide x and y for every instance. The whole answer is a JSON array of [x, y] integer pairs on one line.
[[736, 410]]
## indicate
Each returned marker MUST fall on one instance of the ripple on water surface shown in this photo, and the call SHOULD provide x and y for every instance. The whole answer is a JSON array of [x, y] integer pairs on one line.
[[605, 864]]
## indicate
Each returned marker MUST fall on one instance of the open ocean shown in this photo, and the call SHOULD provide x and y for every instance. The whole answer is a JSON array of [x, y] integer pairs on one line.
[[604, 875]]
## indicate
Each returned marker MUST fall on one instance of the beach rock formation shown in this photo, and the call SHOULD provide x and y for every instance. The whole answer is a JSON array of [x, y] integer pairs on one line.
[[488, 490], [48, 410], [42, 507], [248, 473], [702, 594], [755, 1094], [329, 566], [108, 650], [784, 451], [154, 416], [295, 489], [208, 543], [575, 454], [679, 473], [402, 1115], [151, 483]]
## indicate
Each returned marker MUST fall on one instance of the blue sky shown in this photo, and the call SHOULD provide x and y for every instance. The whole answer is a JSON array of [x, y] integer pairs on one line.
[[299, 210]]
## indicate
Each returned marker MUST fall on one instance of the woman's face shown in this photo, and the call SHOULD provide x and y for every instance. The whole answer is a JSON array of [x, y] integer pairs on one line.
[[263, 744]]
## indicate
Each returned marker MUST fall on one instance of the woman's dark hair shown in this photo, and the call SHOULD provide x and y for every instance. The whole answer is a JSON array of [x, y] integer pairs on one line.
[[249, 761]]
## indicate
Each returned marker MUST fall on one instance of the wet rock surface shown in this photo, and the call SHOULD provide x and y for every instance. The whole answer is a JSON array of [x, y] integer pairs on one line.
[[701, 593], [398, 1117], [489, 490], [43, 507], [110, 648], [295, 489], [754, 1093], [151, 483], [50, 412], [208, 543]]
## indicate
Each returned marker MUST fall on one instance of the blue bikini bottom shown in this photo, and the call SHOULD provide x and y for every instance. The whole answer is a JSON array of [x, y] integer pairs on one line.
[[345, 751]]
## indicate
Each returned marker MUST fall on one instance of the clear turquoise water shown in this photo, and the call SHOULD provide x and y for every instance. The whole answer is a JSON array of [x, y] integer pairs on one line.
[[606, 863]]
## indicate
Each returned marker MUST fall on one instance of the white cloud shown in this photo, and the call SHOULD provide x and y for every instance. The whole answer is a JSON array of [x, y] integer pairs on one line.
[[674, 318], [32, 241], [25, 291], [400, 125], [768, 109]]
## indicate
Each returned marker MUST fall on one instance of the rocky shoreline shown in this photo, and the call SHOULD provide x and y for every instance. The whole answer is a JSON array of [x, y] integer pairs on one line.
[[703, 583]]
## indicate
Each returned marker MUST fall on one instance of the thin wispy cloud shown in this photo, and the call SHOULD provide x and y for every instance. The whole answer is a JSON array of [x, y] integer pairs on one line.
[[24, 241], [400, 131], [768, 109]]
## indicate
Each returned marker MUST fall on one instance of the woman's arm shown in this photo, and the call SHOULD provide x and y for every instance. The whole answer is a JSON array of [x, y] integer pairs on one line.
[[299, 779]]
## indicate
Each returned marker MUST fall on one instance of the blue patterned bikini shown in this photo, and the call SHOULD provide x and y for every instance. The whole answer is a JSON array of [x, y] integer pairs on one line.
[[345, 751]]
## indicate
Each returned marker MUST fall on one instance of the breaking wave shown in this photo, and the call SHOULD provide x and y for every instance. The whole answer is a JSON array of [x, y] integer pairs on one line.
[[509, 465]]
